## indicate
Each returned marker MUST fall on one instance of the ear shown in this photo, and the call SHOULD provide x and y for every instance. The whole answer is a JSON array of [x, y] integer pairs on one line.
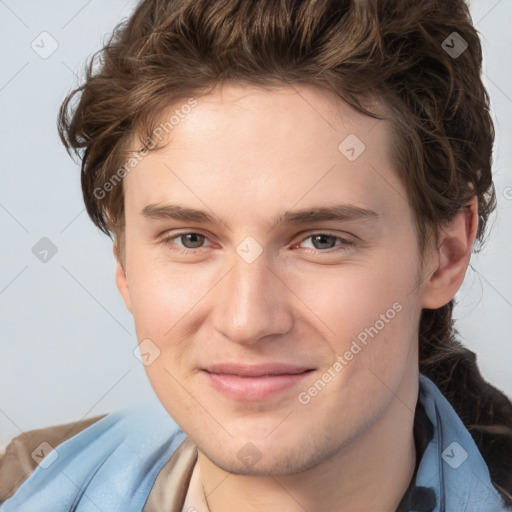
[[452, 257], [121, 282]]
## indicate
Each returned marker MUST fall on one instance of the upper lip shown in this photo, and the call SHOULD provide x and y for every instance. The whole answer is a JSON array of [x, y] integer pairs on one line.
[[256, 370]]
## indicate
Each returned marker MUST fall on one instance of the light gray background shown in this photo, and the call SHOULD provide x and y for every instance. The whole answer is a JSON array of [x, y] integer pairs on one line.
[[66, 339]]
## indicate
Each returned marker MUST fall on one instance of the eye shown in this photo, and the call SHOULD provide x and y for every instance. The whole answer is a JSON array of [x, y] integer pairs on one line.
[[321, 242], [190, 241]]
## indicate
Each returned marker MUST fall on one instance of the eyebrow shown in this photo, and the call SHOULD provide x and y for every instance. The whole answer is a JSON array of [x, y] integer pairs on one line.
[[339, 212]]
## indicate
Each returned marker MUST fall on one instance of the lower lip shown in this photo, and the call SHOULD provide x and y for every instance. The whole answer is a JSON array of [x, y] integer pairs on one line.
[[253, 388]]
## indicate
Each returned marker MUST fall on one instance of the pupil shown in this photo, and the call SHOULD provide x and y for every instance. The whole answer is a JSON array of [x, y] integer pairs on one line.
[[322, 240], [196, 243]]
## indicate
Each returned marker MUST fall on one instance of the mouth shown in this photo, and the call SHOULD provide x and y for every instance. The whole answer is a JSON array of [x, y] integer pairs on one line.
[[254, 382]]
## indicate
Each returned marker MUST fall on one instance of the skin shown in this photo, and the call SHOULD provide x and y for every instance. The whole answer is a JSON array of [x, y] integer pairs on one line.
[[247, 154]]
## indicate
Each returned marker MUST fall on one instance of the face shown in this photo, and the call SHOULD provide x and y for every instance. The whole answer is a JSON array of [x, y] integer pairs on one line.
[[285, 315]]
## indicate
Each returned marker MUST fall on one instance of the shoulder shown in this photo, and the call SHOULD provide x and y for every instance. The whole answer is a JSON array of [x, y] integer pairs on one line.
[[452, 447], [485, 410], [24, 452], [111, 459]]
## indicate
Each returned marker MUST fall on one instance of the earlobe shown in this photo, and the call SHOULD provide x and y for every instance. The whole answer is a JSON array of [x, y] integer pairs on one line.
[[452, 256], [121, 281]]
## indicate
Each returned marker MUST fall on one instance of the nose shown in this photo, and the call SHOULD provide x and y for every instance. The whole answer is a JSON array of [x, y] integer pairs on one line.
[[252, 302]]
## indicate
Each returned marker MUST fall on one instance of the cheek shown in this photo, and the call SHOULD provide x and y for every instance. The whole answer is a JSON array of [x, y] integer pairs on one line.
[[169, 305], [354, 296], [369, 315], [163, 293]]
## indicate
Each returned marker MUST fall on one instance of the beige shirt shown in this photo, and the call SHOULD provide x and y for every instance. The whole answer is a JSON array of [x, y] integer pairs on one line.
[[195, 499]]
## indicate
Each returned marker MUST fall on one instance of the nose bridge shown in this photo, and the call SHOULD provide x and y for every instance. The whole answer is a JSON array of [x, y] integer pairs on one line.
[[250, 280], [251, 302]]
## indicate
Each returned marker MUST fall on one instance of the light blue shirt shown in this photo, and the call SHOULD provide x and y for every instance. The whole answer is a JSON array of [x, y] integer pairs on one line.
[[112, 465]]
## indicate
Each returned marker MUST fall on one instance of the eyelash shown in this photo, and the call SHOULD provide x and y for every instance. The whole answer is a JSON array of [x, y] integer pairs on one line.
[[168, 241]]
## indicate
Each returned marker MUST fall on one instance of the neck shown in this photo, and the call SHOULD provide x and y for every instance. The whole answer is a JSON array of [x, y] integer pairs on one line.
[[372, 472]]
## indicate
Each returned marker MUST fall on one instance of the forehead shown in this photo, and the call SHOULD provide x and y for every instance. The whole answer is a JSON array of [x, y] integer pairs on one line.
[[255, 107], [295, 112], [244, 144]]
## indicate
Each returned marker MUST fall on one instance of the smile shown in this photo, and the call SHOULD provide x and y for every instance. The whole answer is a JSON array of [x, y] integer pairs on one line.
[[255, 387]]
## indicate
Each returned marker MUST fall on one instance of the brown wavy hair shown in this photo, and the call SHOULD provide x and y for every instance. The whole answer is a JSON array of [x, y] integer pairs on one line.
[[390, 50]]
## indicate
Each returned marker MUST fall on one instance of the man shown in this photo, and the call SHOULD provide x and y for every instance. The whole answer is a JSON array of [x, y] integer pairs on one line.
[[294, 190]]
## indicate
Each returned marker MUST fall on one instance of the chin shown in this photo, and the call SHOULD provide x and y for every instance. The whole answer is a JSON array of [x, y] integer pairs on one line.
[[266, 459]]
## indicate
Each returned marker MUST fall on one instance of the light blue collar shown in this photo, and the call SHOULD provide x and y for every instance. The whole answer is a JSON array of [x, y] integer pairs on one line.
[[452, 464], [109, 467]]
